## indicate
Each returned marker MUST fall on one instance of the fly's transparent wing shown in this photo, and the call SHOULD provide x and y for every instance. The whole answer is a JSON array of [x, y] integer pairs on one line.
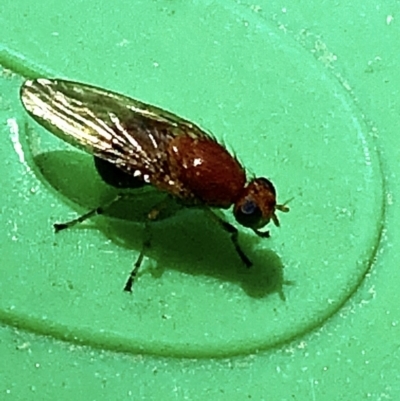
[[128, 133]]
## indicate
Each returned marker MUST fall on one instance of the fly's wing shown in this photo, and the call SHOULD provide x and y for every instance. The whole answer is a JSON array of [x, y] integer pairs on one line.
[[130, 134]]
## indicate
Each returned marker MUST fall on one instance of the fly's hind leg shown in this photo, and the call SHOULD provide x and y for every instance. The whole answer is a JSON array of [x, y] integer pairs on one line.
[[94, 212], [152, 215]]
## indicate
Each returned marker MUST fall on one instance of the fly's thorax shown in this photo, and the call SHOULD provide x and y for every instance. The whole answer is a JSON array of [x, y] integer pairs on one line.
[[256, 205], [206, 171]]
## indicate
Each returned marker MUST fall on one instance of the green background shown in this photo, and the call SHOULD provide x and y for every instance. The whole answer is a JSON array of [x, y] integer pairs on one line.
[[305, 95]]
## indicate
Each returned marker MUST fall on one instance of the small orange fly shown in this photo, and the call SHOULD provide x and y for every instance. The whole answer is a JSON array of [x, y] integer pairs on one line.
[[135, 144]]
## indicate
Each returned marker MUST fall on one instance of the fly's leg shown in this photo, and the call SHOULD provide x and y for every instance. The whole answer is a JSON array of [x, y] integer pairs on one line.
[[95, 212], [151, 216], [262, 234], [145, 245], [157, 209], [234, 234]]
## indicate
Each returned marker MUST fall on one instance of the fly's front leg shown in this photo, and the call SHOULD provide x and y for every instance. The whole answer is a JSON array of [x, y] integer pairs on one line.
[[234, 234]]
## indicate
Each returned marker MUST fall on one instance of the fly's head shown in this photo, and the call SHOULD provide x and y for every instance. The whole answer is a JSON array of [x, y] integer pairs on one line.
[[256, 206]]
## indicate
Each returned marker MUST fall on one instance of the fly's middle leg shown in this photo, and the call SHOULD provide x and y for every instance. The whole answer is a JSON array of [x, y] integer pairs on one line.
[[145, 246]]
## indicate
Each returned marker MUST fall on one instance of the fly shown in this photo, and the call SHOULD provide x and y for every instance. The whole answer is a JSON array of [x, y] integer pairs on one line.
[[135, 144]]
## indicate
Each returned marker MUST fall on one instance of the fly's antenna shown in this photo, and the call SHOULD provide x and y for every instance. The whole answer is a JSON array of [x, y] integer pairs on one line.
[[283, 207]]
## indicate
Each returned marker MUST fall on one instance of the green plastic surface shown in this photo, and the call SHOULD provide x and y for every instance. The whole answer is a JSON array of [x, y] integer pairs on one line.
[[298, 97]]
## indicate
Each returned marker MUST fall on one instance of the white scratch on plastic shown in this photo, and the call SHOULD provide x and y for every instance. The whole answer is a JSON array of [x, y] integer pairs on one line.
[[14, 135]]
